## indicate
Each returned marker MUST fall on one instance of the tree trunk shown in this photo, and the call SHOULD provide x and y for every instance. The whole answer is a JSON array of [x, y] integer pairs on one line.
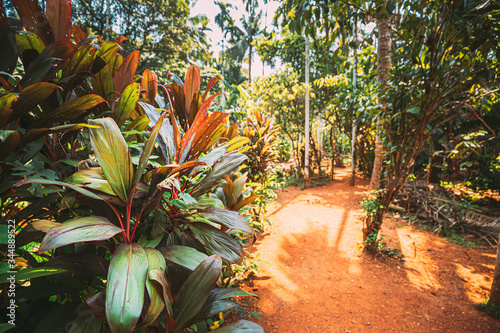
[[434, 161], [334, 149], [384, 67], [250, 65], [495, 285]]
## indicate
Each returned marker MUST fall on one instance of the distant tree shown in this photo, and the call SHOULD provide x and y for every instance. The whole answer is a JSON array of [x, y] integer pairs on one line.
[[160, 29]]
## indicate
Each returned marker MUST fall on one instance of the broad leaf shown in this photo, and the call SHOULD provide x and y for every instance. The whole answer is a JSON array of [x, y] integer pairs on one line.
[[83, 229], [69, 110], [148, 148], [227, 218], [103, 86], [182, 256], [59, 16], [9, 140], [150, 85], [86, 322], [191, 85], [242, 326], [156, 261], [126, 103], [217, 241], [195, 290], [31, 96], [126, 72], [221, 169], [114, 158], [125, 287], [30, 273], [92, 178], [34, 19]]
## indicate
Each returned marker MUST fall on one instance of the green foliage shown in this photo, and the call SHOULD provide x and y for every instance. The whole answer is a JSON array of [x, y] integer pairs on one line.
[[490, 308], [141, 245]]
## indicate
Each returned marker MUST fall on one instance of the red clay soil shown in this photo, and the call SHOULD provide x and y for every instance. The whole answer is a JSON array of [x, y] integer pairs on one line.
[[320, 280]]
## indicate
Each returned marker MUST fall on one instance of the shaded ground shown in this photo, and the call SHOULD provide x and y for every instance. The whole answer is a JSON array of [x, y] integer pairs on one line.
[[321, 281]]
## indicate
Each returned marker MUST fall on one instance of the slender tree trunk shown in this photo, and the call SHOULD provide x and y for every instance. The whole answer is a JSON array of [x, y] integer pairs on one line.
[[334, 149], [495, 285], [250, 65], [434, 161], [384, 67]]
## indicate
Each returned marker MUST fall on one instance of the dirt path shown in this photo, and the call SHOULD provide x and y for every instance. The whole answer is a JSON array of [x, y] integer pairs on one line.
[[321, 281]]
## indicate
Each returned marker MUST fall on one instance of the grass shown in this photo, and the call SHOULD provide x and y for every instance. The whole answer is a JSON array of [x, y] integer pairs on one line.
[[490, 308]]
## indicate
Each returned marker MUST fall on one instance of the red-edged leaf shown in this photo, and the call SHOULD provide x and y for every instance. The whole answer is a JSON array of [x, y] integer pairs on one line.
[[30, 45], [203, 111], [195, 107], [150, 84], [9, 140], [126, 72], [217, 241], [83, 229], [59, 16], [103, 86], [195, 290], [120, 39], [34, 19], [81, 60], [5, 108], [92, 178], [114, 158], [126, 103], [31, 96], [127, 275], [210, 85], [37, 133], [227, 218], [107, 50], [80, 190], [78, 34], [191, 85], [178, 104], [69, 110], [148, 148], [114, 64]]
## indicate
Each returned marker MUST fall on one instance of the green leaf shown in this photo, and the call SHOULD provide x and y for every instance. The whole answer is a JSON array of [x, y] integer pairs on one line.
[[9, 140], [34, 19], [125, 287], [182, 256], [103, 86], [31, 96], [147, 150], [80, 190], [30, 273], [414, 110], [83, 229], [4, 327], [221, 169], [126, 103], [217, 241], [195, 290], [227, 218], [5, 108], [69, 110], [156, 261], [242, 326], [93, 178], [114, 158]]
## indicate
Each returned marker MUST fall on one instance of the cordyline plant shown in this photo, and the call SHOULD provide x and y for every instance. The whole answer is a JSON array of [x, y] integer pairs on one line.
[[140, 245]]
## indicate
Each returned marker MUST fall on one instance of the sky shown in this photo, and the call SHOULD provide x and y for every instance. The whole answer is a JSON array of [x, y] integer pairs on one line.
[[210, 9]]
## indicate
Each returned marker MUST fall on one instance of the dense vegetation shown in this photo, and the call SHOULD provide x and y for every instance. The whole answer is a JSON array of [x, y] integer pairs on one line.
[[122, 181]]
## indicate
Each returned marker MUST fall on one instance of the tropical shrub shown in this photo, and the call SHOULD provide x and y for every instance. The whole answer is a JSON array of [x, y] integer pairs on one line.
[[135, 239]]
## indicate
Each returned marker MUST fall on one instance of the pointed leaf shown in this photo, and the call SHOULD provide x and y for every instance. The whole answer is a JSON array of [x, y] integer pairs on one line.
[[126, 103], [103, 86], [69, 110], [195, 291], [244, 202], [31, 96], [159, 276], [150, 85], [59, 17], [125, 287], [30, 45], [227, 218], [210, 85], [148, 148], [36, 133], [182, 256], [34, 19], [217, 241], [31, 273], [83, 229], [92, 178], [156, 262], [191, 85], [126, 72], [114, 158], [220, 169], [78, 34], [80, 190], [9, 140]]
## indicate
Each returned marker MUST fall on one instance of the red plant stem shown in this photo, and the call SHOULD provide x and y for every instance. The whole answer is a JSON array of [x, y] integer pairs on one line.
[[17, 123], [135, 226], [129, 212]]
